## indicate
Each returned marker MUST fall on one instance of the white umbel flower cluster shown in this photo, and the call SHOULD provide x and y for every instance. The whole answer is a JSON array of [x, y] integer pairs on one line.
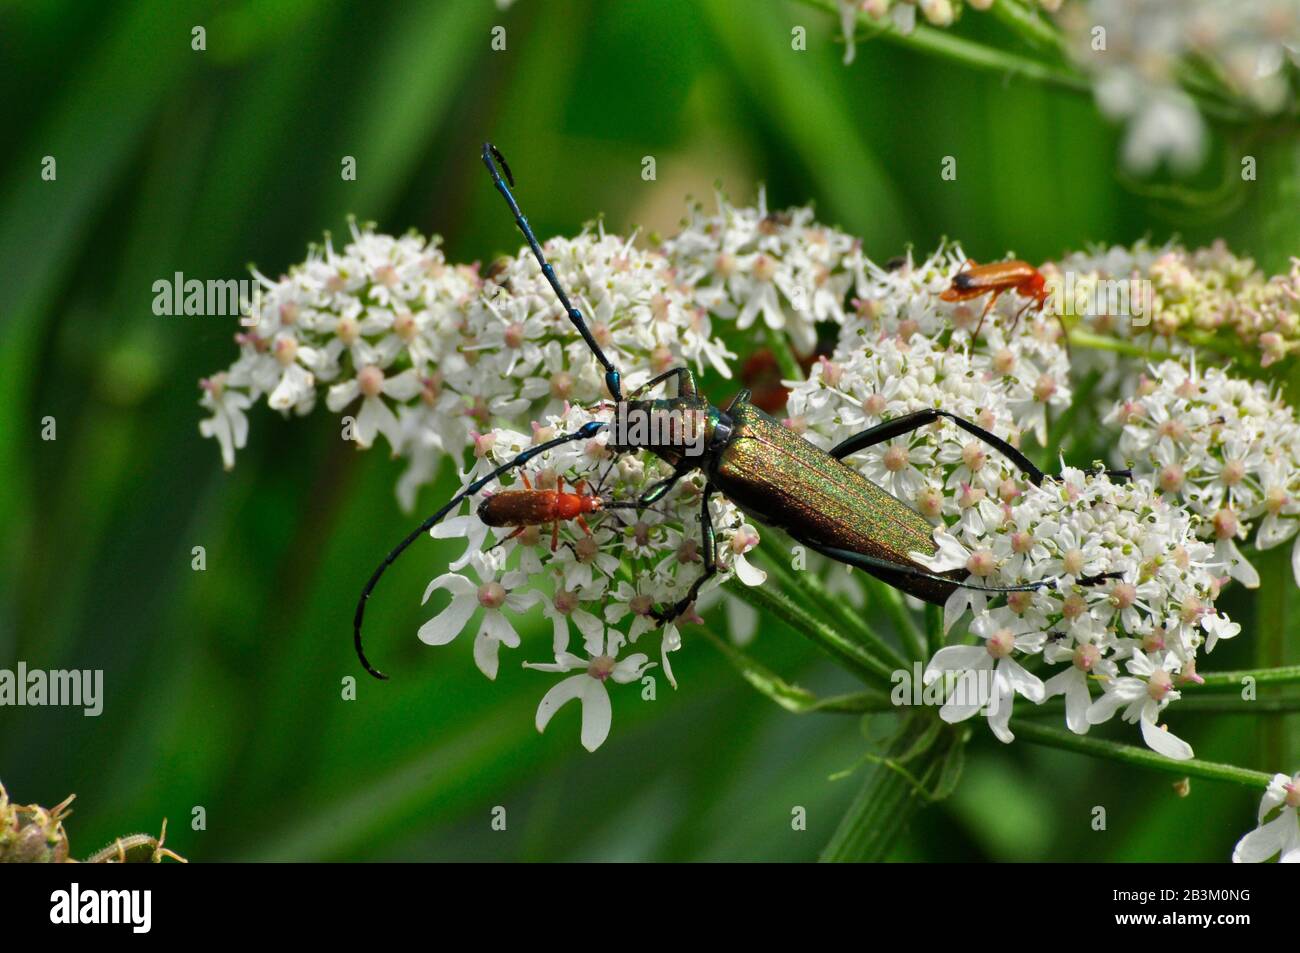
[[1151, 614], [1227, 449], [436, 359], [1138, 51]]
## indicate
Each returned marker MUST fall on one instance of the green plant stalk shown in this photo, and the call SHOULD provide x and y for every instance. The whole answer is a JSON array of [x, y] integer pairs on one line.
[[899, 615], [1028, 24], [934, 627], [1207, 703], [887, 801], [786, 359], [1231, 681], [856, 657], [1141, 757], [814, 592], [1275, 582], [792, 697]]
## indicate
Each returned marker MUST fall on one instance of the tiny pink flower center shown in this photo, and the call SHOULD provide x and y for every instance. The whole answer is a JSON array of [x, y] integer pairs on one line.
[[1154, 640], [874, 405], [586, 549], [1234, 471], [347, 330], [1008, 491], [1019, 602], [1044, 388], [973, 455], [688, 551], [1225, 524], [1001, 643], [831, 372], [744, 540], [1004, 361], [1123, 595], [562, 385], [896, 459], [724, 265], [1086, 656], [285, 350], [930, 502], [1172, 478], [404, 326], [981, 563], [1192, 609], [764, 268], [1159, 685], [1292, 793], [1175, 430], [371, 380], [1073, 606], [1022, 542], [640, 605], [1275, 499], [601, 667], [491, 595], [970, 496], [1074, 562], [566, 601]]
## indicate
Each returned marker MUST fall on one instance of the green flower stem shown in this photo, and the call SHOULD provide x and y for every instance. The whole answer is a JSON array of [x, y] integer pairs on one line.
[[1028, 24], [946, 44], [1231, 681], [1205, 702], [934, 627], [1276, 583], [904, 622], [890, 796], [786, 359], [792, 697], [1201, 339], [1142, 757], [810, 586], [773, 601]]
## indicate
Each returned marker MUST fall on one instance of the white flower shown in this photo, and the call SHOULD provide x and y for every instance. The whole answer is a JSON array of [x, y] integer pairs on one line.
[[228, 422], [1003, 633], [1143, 698], [492, 596], [375, 417], [588, 687], [1279, 837]]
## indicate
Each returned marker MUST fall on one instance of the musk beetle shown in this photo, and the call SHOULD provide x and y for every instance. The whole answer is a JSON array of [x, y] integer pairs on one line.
[[766, 469]]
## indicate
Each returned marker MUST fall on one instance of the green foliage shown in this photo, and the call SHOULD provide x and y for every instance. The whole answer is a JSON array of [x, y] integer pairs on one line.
[[224, 686]]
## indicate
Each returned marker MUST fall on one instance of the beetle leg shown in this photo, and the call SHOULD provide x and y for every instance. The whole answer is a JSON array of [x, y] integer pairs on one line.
[[585, 432], [708, 551], [659, 490], [993, 299], [915, 421], [686, 386], [741, 398], [524, 477], [504, 539]]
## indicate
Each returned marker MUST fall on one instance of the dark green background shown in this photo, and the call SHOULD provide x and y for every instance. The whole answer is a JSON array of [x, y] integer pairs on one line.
[[223, 686]]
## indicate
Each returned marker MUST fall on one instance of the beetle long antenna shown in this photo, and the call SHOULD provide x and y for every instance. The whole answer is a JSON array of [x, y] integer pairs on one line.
[[491, 157], [585, 432]]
